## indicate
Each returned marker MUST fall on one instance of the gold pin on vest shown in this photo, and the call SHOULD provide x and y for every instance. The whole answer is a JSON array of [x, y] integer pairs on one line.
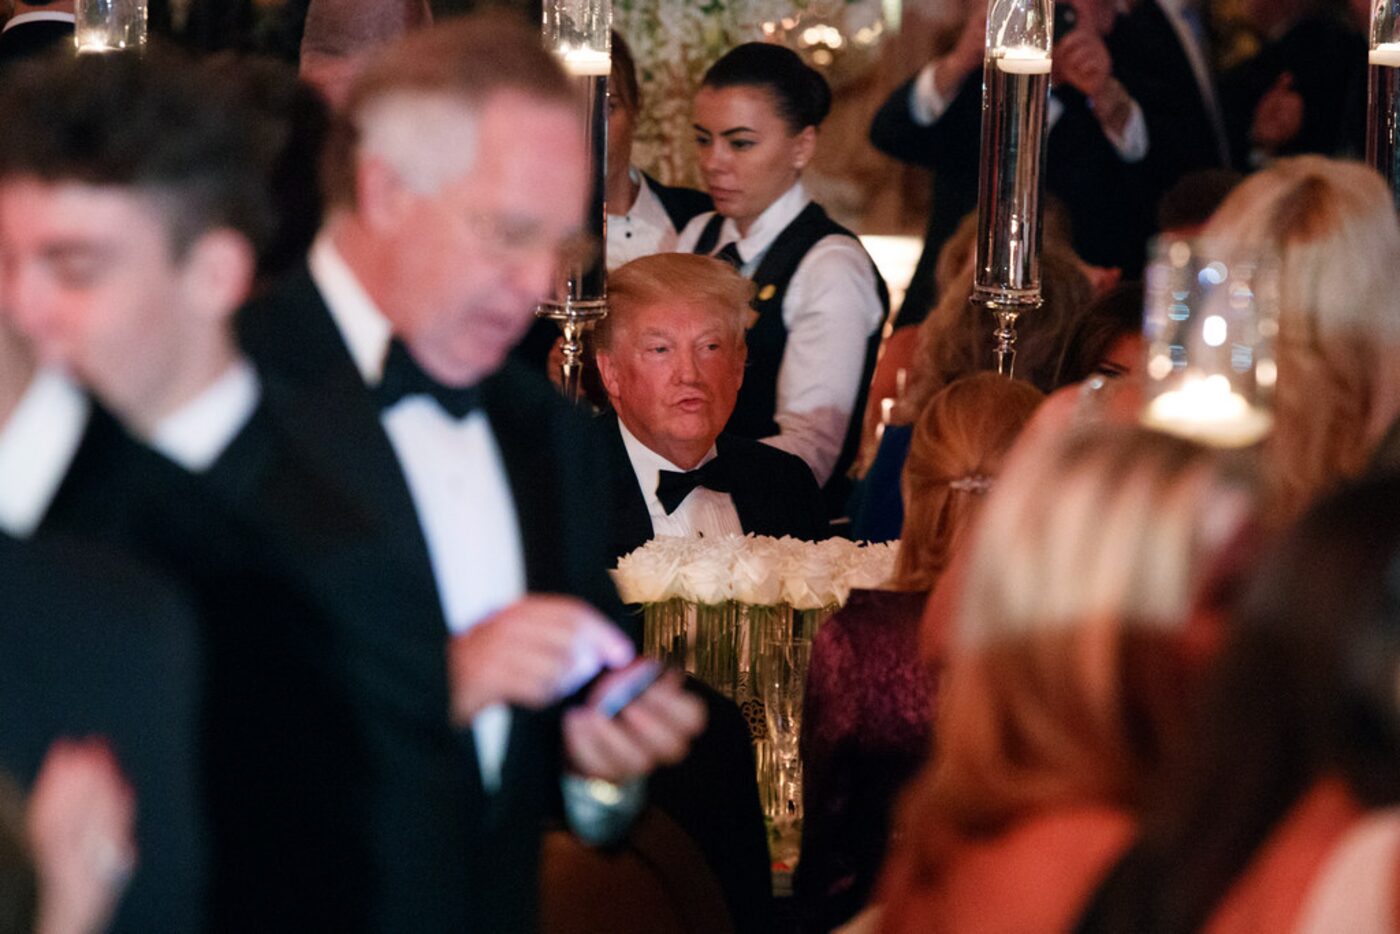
[[767, 292]]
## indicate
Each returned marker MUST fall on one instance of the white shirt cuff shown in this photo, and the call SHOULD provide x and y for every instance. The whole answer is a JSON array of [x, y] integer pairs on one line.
[[1132, 143], [199, 432], [926, 105]]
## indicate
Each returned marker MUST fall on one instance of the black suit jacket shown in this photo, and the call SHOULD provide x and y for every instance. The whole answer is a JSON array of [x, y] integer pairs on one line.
[[1152, 65], [93, 643], [443, 855], [1101, 192], [30, 39], [774, 492]]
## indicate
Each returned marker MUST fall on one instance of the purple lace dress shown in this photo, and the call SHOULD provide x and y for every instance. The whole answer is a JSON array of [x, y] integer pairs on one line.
[[866, 729]]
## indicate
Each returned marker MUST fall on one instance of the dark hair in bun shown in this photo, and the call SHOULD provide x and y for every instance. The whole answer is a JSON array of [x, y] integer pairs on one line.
[[801, 93]]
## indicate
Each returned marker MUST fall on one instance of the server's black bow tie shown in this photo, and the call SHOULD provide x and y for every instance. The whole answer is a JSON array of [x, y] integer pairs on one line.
[[404, 377], [729, 253], [673, 487]]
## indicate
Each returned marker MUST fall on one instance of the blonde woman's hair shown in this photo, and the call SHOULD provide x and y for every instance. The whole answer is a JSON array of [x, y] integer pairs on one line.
[[1064, 685], [675, 279], [955, 455], [1332, 228]]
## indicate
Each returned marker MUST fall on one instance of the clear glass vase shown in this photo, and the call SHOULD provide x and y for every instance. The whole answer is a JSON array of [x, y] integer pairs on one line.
[[665, 632], [719, 638]]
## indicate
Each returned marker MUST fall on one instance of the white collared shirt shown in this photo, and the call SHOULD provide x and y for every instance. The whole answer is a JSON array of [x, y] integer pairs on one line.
[[704, 512], [39, 16], [37, 446], [196, 434], [831, 308], [458, 483], [926, 105], [644, 230]]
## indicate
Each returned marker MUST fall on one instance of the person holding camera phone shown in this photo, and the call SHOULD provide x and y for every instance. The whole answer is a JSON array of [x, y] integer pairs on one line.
[[1097, 138]]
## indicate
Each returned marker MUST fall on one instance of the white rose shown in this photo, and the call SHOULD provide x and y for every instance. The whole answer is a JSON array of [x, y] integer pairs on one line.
[[810, 573], [650, 573], [706, 576], [757, 571]]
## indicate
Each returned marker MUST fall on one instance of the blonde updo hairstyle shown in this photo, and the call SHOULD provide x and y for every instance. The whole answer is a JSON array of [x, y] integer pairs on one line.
[[956, 452]]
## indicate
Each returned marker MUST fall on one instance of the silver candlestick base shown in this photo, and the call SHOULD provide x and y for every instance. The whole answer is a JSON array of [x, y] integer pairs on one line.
[[1004, 336], [574, 317]]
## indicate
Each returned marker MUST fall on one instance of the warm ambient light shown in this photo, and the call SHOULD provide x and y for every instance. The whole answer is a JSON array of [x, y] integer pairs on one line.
[[1022, 60], [1207, 410]]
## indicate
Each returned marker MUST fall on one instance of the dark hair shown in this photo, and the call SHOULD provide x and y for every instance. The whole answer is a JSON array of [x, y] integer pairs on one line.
[[801, 94], [158, 124], [1114, 315], [624, 74], [1193, 199], [1305, 688], [298, 120]]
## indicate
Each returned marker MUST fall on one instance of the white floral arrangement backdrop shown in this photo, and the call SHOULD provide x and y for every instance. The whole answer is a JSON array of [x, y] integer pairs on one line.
[[675, 41]]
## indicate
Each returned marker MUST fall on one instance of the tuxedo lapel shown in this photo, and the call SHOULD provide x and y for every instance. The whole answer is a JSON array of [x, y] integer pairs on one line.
[[316, 395], [632, 526], [751, 501]]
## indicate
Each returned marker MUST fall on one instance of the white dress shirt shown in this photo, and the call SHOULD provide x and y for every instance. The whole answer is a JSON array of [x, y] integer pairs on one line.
[[703, 513], [831, 308], [37, 445], [196, 434], [926, 105], [39, 16], [458, 483], [644, 230]]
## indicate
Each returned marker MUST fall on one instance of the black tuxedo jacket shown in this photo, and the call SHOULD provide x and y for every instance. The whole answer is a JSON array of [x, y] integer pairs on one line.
[[1152, 65], [30, 39], [774, 492], [1102, 193], [318, 477], [92, 643]]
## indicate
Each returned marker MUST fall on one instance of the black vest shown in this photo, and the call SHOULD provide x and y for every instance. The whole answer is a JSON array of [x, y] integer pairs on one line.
[[767, 338]]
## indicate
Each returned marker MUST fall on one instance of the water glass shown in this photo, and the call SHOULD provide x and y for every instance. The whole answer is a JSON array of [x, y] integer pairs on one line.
[[109, 25]]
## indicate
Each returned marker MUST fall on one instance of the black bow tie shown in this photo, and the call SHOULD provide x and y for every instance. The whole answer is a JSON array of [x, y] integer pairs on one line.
[[729, 253], [404, 377], [673, 487]]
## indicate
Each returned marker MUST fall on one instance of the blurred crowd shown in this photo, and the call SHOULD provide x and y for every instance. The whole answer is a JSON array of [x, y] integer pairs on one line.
[[305, 621]]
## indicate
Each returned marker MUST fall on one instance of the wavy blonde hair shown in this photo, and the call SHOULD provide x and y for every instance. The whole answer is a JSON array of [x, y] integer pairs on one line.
[[1065, 679], [963, 434], [1332, 228]]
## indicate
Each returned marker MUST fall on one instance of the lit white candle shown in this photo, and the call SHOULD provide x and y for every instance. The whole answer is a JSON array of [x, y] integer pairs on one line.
[[1387, 53], [1208, 410], [1022, 60], [586, 63]]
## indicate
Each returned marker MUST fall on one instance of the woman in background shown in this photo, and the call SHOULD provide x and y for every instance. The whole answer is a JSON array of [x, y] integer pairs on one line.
[[1332, 229], [644, 216], [955, 341], [866, 721], [1264, 822], [1064, 686], [820, 303]]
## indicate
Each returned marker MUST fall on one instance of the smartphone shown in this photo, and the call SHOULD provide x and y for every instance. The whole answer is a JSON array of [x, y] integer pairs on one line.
[[1066, 18], [629, 684]]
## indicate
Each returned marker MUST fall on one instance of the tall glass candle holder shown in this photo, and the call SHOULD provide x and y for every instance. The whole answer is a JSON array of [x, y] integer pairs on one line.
[[1015, 96], [109, 25], [579, 33], [1383, 93], [1210, 326]]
